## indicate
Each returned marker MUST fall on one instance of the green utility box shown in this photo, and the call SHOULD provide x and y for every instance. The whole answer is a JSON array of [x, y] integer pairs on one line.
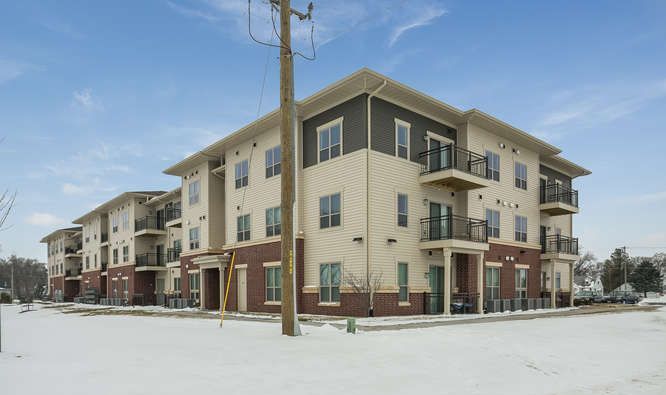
[[351, 325]]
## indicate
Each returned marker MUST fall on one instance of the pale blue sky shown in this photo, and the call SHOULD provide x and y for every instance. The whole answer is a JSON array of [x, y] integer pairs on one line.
[[97, 98]]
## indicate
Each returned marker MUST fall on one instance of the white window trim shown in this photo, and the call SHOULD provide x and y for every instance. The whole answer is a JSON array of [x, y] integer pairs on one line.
[[240, 163], [400, 122], [397, 213], [397, 281], [441, 139], [516, 162], [327, 125], [329, 228], [342, 282], [190, 182]]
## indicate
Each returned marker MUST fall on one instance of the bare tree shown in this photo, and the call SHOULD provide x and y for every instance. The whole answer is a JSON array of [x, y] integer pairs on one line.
[[586, 265], [367, 287], [7, 200]]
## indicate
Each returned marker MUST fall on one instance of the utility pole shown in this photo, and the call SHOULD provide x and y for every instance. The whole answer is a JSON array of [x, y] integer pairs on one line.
[[624, 251], [287, 113]]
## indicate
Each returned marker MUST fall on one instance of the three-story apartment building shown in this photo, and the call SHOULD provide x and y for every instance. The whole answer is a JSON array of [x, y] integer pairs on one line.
[[64, 263], [435, 207]]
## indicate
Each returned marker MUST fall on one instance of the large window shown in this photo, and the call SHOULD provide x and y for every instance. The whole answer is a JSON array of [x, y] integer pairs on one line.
[[115, 256], [402, 139], [125, 253], [241, 170], [194, 238], [403, 282], [493, 165], [125, 284], [329, 211], [176, 286], [521, 283], [492, 283], [521, 175], [193, 190], [330, 143], [273, 221], [520, 228], [329, 283], [273, 162], [493, 219], [402, 210], [558, 280], [114, 223], [243, 227], [124, 218], [273, 284], [194, 286]]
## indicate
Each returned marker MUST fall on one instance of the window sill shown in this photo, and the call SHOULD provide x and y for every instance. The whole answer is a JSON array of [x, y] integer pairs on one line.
[[329, 304], [269, 303]]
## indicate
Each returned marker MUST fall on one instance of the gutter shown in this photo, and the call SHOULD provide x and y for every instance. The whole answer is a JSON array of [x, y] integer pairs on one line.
[[367, 185]]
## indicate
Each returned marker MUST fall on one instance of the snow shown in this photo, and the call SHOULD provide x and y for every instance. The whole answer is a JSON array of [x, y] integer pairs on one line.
[[658, 299], [46, 351]]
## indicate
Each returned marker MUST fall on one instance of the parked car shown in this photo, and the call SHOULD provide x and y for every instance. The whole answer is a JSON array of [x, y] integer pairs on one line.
[[599, 299], [583, 297]]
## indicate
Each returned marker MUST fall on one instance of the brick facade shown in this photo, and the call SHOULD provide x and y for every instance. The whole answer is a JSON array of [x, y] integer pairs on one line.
[[93, 280], [56, 284], [522, 256], [138, 284]]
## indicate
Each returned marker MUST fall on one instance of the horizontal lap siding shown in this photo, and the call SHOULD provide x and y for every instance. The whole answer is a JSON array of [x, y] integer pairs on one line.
[[193, 215]]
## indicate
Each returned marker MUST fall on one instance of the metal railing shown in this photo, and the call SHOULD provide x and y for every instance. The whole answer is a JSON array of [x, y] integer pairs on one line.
[[150, 259], [559, 244], [149, 222], [70, 250], [557, 193], [172, 213], [173, 254], [73, 272], [454, 227], [452, 157], [104, 266], [104, 238], [461, 303]]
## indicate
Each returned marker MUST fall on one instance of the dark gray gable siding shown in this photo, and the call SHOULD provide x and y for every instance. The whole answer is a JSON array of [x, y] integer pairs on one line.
[[553, 174], [383, 128], [354, 128]]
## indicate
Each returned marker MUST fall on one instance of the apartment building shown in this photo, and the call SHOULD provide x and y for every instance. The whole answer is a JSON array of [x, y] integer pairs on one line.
[[442, 209], [64, 263]]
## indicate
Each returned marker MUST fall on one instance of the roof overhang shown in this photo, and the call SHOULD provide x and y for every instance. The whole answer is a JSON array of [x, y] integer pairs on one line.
[[66, 231], [165, 197], [99, 210], [565, 166]]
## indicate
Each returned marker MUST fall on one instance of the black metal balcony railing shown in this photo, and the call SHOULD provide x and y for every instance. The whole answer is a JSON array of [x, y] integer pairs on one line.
[[172, 213], [454, 227], [173, 254], [104, 238], [71, 250], [150, 259], [149, 222], [73, 272], [453, 157], [559, 244], [104, 266], [556, 193]]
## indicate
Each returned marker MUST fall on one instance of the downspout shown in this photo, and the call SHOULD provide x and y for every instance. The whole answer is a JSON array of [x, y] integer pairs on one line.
[[367, 194]]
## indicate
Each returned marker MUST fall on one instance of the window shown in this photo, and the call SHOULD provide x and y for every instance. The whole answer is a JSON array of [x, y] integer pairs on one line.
[[558, 280], [243, 227], [402, 139], [329, 211], [273, 162], [125, 284], [403, 282], [521, 175], [87, 262], [520, 228], [193, 192], [493, 165], [194, 286], [125, 253], [114, 223], [329, 283], [241, 170], [177, 245], [493, 218], [402, 210], [521, 283], [273, 284], [115, 256], [273, 221], [194, 238], [176, 286], [124, 216], [329, 142], [492, 283]]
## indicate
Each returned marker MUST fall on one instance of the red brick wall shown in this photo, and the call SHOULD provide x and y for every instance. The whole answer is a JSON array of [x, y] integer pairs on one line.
[[56, 283], [144, 283], [119, 273], [94, 280], [387, 304], [212, 287], [350, 305], [71, 289], [523, 256]]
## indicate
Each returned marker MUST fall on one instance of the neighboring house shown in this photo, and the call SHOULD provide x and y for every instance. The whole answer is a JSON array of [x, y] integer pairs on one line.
[[588, 283], [65, 251], [445, 205]]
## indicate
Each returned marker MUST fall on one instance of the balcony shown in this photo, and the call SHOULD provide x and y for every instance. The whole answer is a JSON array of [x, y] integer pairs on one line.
[[453, 167], [172, 216], [73, 274], [104, 268], [453, 231], [149, 225], [173, 255], [73, 252], [559, 247], [150, 261], [104, 240], [557, 199]]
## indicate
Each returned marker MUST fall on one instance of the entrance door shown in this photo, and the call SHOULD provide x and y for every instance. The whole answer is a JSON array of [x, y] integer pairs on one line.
[[436, 277], [242, 290], [440, 222]]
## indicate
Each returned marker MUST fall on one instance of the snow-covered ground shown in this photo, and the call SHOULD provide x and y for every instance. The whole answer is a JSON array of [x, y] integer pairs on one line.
[[49, 352]]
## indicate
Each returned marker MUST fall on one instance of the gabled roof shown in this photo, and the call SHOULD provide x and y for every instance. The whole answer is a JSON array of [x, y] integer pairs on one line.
[[55, 233]]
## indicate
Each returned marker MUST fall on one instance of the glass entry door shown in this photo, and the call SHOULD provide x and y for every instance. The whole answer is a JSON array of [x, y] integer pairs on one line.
[[440, 221], [436, 300]]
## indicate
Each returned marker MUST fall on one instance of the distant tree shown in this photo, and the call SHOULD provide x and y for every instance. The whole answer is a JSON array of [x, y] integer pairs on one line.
[[612, 271], [646, 278], [30, 276], [586, 265], [6, 203]]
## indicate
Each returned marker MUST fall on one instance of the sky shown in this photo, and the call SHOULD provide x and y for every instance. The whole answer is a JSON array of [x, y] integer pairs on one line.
[[97, 98]]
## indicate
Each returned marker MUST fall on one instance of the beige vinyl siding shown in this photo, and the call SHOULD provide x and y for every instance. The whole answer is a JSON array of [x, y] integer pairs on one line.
[[199, 214], [478, 140], [92, 227], [389, 176], [563, 222], [345, 175], [261, 193], [123, 236], [563, 268]]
